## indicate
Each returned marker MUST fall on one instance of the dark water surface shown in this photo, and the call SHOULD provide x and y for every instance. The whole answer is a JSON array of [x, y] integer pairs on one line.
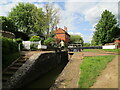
[[47, 80]]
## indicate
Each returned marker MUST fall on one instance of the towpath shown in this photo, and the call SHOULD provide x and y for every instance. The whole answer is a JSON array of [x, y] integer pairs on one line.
[[109, 76], [71, 74]]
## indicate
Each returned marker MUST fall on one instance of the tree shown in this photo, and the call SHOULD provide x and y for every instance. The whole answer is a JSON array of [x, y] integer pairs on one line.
[[49, 41], [52, 18], [87, 44], [93, 43], [7, 24], [105, 29], [76, 39], [35, 38], [27, 18]]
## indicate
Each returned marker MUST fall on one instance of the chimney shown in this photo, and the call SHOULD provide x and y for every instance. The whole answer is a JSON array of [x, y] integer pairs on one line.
[[65, 28]]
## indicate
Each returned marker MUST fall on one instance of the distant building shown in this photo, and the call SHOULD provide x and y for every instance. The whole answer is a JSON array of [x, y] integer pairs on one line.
[[117, 42], [61, 34]]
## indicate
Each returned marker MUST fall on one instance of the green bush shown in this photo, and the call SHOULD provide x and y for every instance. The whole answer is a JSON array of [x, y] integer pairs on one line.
[[18, 40], [9, 51], [49, 41], [9, 45], [35, 38], [33, 46]]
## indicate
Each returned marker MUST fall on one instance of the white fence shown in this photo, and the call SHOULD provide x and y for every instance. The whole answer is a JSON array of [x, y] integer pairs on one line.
[[109, 47], [27, 45]]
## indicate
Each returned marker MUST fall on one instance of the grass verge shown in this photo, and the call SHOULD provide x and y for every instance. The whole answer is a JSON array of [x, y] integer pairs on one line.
[[111, 50], [91, 68], [91, 50], [98, 50]]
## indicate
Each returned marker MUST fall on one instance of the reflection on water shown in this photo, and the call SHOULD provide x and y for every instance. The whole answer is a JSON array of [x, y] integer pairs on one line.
[[48, 79]]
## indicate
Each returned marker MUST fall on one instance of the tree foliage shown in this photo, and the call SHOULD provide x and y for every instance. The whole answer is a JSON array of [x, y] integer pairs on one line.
[[86, 44], [7, 24], [49, 41], [35, 38], [105, 29], [76, 39], [28, 18], [52, 18]]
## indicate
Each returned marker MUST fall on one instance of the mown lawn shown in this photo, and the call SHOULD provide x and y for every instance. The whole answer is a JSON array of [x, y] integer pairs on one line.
[[91, 68], [98, 50], [91, 50]]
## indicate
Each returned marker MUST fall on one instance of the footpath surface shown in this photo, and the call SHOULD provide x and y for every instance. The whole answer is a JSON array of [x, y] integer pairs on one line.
[[109, 76], [70, 75]]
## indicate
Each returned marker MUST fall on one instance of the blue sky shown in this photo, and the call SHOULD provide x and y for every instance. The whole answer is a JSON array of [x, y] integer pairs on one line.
[[80, 17]]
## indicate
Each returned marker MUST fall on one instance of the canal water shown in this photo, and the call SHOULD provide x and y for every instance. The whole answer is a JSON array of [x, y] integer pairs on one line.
[[47, 80]]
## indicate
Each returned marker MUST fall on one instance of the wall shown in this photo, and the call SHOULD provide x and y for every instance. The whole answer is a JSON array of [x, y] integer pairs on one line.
[[109, 47], [36, 66], [7, 34]]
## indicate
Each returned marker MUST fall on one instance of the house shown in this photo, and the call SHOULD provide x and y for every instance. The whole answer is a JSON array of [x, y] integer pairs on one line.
[[117, 42], [61, 34], [114, 45]]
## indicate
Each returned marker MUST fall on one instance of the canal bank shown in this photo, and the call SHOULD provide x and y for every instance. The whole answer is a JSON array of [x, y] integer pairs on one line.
[[48, 79], [32, 70], [69, 77]]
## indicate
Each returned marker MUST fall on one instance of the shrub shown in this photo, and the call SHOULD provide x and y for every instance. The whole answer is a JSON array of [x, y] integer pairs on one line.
[[33, 46], [9, 46], [35, 38], [49, 41], [18, 40], [9, 51]]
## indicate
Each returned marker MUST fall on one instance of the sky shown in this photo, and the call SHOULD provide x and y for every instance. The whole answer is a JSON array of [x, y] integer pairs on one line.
[[79, 16]]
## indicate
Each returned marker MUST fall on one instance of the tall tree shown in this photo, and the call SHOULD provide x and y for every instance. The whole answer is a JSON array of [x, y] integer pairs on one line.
[[52, 18], [106, 28], [27, 18], [76, 39], [7, 24]]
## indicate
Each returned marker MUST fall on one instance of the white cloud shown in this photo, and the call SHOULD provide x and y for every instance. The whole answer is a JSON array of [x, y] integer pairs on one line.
[[75, 33], [87, 38], [90, 11], [93, 14]]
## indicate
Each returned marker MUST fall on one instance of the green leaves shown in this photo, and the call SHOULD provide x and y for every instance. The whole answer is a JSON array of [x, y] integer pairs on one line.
[[7, 24], [28, 18], [76, 39], [49, 41], [35, 38], [105, 28]]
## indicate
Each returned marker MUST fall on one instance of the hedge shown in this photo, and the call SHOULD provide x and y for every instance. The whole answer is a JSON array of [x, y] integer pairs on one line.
[[9, 51]]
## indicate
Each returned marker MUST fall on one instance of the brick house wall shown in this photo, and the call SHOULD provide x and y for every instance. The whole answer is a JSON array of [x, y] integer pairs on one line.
[[117, 42], [61, 34]]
